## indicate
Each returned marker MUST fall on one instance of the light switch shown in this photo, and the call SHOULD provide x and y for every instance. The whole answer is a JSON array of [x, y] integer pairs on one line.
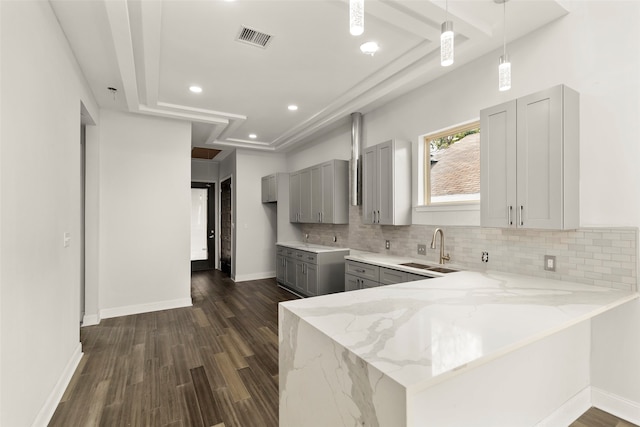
[[66, 239]]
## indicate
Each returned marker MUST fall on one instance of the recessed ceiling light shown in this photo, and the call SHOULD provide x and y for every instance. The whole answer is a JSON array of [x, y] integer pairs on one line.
[[253, 136], [195, 89], [292, 107], [369, 48]]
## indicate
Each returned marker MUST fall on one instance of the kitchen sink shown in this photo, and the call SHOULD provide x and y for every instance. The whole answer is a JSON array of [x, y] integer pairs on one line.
[[428, 267], [416, 265], [442, 270]]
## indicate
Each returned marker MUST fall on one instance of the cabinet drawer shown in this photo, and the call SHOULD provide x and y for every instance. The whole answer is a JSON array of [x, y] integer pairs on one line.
[[352, 283], [290, 253], [310, 257], [280, 250], [389, 276], [360, 269], [366, 283]]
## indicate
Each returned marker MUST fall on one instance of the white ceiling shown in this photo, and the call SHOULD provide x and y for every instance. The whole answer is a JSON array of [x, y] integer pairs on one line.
[[151, 51]]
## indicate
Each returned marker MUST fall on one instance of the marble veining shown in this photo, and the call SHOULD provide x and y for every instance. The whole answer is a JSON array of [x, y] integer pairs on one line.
[[418, 333]]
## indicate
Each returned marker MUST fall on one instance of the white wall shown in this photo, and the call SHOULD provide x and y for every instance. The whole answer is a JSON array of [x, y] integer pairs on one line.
[[256, 222], [204, 170], [42, 89], [332, 145], [615, 361], [594, 50], [145, 215]]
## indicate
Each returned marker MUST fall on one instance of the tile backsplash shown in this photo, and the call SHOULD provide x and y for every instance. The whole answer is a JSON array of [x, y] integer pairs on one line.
[[595, 256]]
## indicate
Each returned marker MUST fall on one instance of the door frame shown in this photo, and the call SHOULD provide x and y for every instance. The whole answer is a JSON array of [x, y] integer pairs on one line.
[[233, 228], [212, 247]]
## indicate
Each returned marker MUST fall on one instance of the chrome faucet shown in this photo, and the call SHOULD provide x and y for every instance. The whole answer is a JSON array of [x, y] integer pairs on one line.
[[443, 257]]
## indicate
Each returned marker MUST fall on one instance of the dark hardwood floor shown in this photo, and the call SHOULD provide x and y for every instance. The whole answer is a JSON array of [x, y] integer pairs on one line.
[[212, 364], [595, 417]]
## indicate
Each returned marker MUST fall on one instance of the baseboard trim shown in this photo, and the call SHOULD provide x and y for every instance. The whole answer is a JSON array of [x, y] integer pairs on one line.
[[569, 411], [623, 408], [144, 308], [254, 276], [49, 408], [90, 320]]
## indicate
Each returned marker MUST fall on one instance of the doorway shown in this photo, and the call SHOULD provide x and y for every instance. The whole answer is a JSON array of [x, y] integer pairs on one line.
[[83, 209], [226, 226], [203, 226]]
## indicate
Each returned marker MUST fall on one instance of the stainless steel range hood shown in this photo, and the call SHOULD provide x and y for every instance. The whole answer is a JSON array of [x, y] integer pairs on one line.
[[356, 159]]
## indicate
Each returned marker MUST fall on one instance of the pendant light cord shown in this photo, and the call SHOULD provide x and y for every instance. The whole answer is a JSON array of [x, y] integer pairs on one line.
[[504, 28]]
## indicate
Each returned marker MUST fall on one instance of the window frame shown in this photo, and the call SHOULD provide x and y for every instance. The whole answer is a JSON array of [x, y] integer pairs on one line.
[[424, 197]]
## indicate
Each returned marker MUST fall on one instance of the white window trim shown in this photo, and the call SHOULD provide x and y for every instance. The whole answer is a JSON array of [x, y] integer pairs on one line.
[[454, 213]]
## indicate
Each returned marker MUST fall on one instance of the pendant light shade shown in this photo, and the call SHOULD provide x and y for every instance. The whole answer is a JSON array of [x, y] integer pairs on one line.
[[356, 17], [504, 64], [446, 44], [504, 73]]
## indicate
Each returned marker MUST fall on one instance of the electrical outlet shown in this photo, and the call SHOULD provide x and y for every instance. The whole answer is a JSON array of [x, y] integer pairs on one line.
[[485, 256], [422, 249], [550, 262], [387, 244]]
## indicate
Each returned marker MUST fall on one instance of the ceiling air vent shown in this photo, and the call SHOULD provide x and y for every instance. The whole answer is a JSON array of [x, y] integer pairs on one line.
[[253, 37]]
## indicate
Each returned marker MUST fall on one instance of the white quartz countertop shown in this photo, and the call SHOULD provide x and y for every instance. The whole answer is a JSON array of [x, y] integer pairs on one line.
[[420, 333], [310, 247]]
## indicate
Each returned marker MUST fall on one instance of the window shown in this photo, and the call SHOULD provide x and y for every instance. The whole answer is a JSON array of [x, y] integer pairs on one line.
[[452, 165]]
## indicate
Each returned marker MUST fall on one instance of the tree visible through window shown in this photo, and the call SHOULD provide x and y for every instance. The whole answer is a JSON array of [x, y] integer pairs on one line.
[[452, 165]]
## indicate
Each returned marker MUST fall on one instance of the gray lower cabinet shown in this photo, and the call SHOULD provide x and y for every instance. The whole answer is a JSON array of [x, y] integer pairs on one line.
[[360, 275], [352, 283], [310, 273], [281, 266]]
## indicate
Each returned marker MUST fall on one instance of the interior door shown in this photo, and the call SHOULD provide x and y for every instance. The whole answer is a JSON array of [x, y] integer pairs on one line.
[[226, 226], [203, 242]]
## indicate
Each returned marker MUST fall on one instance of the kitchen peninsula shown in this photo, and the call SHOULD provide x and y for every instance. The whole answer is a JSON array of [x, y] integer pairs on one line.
[[469, 348]]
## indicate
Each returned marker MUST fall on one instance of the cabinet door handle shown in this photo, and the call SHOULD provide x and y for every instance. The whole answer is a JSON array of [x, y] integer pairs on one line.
[[374, 217], [509, 212], [521, 209], [378, 217]]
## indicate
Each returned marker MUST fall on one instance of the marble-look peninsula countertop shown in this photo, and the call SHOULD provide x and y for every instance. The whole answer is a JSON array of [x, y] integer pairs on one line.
[[310, 247], [421, 333]]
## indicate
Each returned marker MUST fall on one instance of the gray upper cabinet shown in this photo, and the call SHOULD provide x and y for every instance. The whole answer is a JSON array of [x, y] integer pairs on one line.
[[386, 180], [270, 188], [294, 197], [530, 161], [322, 193], [305, 196], [300, 196]]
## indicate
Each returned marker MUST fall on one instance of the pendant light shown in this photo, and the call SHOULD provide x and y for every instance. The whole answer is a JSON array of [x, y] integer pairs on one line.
[[504, 64], [446, 40], [356, 17]]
